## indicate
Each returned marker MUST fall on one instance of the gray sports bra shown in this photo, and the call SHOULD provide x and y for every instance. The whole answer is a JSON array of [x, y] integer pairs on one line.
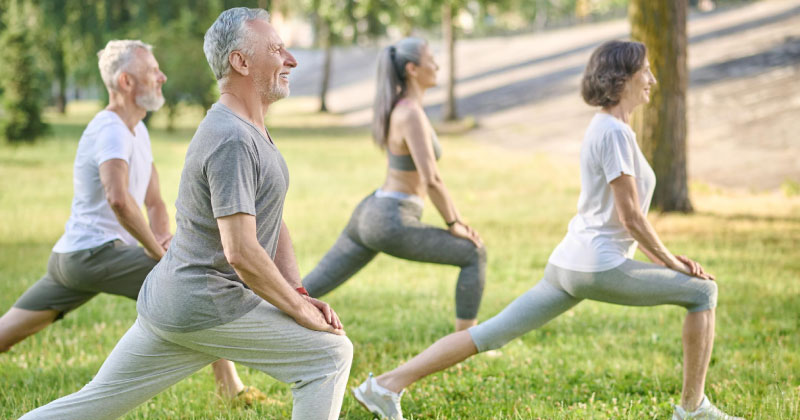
[[406, 163]]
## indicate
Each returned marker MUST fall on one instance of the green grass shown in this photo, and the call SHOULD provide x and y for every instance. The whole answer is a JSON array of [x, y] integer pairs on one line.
[[597, 361]]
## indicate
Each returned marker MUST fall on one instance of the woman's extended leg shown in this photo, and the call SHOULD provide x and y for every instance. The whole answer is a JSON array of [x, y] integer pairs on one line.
[[533, 309], [345, 258]]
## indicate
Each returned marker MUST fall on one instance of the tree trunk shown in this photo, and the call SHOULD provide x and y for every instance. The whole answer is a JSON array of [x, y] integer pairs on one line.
[[172, 114], [61, 99], [661, 124], [540, 21], [60, 67], [448, 32], [326, 67]]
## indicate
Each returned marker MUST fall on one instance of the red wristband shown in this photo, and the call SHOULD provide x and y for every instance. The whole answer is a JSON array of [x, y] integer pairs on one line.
[[302, 290]]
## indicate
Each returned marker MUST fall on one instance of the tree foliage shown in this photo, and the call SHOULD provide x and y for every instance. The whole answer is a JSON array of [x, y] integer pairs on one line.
[[23, 82]]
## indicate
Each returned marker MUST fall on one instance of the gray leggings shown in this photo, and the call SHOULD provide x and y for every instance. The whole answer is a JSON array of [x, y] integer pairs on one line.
[[633, 283], [392, 226]]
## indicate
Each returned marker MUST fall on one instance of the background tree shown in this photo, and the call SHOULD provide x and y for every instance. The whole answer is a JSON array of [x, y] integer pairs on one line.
[[661, 124], [342, 22], [55, 35], [331, 21], [449, 38], [23, 82], [178, 47]]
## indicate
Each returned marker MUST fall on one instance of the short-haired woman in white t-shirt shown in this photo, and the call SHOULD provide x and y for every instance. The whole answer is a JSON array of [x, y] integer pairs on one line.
[[594, 261]]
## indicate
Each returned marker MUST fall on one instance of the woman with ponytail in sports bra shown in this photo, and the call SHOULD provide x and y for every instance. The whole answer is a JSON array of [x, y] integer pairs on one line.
[[388, 220]]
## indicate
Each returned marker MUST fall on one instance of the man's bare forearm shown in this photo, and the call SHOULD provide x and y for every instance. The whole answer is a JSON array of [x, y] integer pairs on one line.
[[132, 219], [263, 277], [285, 259], [159, 219], [259, 272]]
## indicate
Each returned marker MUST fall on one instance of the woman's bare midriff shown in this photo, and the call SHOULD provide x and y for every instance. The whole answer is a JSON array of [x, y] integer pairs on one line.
[[407, 182]]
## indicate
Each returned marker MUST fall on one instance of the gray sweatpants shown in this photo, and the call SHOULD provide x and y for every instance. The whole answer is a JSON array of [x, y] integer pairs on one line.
[[148, 360], [392, 226], [633, 283]]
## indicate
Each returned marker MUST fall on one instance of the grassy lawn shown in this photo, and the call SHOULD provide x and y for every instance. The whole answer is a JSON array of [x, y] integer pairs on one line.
[[597, 361]]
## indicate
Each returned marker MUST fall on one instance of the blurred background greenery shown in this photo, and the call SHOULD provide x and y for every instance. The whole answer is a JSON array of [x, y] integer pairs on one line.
[[49, 47]]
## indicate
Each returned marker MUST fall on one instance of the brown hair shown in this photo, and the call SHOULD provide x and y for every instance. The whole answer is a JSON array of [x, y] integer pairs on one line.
[[611, 65]]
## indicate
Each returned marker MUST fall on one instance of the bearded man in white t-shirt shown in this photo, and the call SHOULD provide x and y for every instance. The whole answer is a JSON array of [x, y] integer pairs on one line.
[[113, 177]]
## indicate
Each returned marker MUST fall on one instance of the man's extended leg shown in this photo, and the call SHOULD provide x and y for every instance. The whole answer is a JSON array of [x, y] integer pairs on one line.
[[72, 279], [18, 324], [43, 303], [141, 365]]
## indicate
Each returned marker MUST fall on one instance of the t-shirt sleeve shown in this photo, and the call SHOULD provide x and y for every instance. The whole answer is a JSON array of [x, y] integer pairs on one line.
[[231, 173], [616, 155], [113, 142]]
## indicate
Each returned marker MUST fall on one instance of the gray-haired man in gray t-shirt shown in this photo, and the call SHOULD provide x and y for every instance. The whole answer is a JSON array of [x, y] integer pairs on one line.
[[229, 286]]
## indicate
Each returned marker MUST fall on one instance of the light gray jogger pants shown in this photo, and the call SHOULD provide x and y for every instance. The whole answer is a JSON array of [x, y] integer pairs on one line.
[[148, 360], [633, 283]]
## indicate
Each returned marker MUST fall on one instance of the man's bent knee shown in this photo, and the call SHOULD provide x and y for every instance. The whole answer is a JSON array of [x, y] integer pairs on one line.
[[343, 353]]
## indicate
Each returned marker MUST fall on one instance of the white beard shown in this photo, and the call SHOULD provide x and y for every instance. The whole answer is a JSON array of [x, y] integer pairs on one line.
[[150, 101], [271, 93], [278, 92]]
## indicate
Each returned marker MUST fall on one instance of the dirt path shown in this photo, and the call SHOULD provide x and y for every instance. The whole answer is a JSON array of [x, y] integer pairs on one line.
[[744, 98]]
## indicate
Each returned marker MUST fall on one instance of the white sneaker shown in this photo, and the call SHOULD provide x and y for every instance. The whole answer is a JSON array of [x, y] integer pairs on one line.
[[378, 400], [706, 411]]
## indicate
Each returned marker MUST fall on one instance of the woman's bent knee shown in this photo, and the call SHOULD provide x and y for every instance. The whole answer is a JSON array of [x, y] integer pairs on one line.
[[705, 298], [480, 255]]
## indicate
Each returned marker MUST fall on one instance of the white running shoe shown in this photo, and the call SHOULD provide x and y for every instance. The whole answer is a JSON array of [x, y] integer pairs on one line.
[[706, 411], [378, 400]]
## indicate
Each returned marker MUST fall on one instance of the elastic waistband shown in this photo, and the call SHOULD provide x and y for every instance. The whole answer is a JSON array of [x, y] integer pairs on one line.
[[397, 195]]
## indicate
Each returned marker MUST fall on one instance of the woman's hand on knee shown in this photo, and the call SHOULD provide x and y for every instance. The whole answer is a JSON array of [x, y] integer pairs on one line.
[[694, 268], [462, 230]]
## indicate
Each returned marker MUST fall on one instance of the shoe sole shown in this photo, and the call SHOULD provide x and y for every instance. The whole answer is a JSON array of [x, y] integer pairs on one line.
[[356, 394]]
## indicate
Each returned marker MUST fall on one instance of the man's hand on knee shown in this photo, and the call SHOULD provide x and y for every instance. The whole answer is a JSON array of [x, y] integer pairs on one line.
[[312, 316], [331, 317]]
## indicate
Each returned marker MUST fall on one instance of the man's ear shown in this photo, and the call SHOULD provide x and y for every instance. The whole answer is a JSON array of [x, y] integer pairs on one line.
[[125, 82], [239, 63]]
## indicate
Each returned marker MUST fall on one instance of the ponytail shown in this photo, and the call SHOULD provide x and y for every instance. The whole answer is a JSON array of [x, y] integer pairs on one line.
[[391, 83]]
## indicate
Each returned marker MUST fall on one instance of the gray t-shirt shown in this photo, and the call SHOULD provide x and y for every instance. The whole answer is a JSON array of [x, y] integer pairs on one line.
[[230, 168]]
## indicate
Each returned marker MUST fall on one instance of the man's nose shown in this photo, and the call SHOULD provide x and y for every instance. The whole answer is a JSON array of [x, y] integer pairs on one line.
[[289, 60]]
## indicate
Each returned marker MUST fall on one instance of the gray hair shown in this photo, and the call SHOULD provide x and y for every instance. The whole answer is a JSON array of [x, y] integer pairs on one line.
[[116, 58], [392, 83], [227, 34]]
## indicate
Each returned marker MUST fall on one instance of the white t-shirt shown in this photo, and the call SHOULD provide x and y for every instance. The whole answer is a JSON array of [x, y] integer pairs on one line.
[[596, 240], [92, 222]]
